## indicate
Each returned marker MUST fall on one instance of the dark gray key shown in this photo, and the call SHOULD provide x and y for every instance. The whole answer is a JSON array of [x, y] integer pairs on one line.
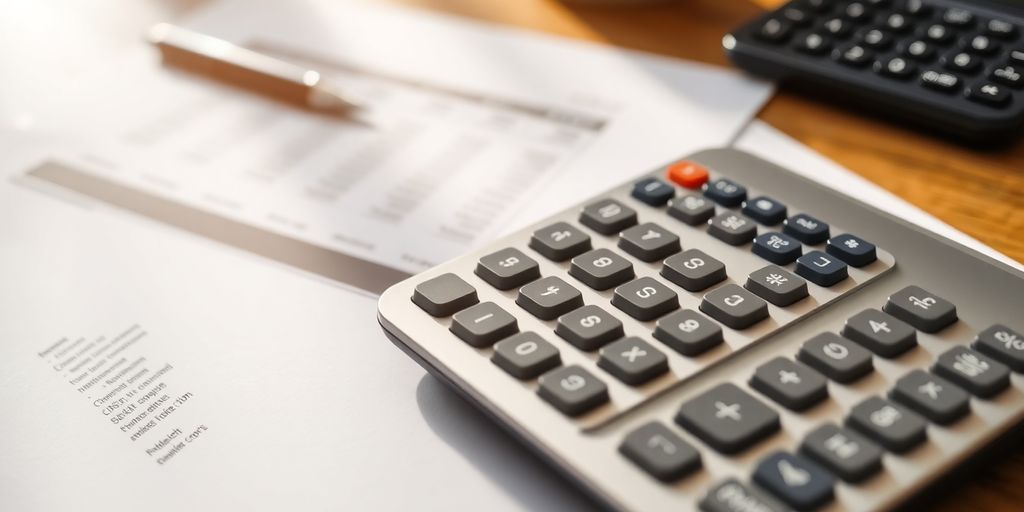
[[853, 250], [549, 297], [560, 241], [821, 269], [649, 242], [799, 482], [734, 306], [1002, 344], [632, 360], [765, 210], [483, 324], [789, 383], [733, 496], [725, 192], [976, 373], [778, 248], [936, 398], [920, 308], [727, 418], [507, 269], [572, 390], [693, 270], [732, 228], [601, 269], [688, 332], [660, 452], [525, 355], [607, 216], [777, 285], [444, 295], [645, 299], [807, 229], [839, 359], [893, 426], [691, 209], [846, 453], [653, 191], [589, 327], [880, 332]]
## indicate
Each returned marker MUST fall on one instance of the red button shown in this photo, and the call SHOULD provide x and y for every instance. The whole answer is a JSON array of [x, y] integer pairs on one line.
[[688, 174]]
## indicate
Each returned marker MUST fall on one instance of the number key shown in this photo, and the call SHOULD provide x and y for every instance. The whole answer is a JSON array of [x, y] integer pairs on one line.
[[507, 269], [601, 269], [649, 242], [734, 306], [881, 333], [645, 299], [691, 209], [891, 425], [920, 308], [688, 332], [572, 390], [660, 452], [549, 297], [560, 241], [608, 216], [589, 327], [693, 270], [483, 324], [525, 355], [839, 359]]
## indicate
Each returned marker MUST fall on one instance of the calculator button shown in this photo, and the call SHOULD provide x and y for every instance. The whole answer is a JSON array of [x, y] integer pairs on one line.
[[981, 45], [653, 191], [589, 327], [560, 241], [688, 332], [688, 174], [846, 453], [660, 452], [797, 16], [989, 94], [733, 496], [978, 374], [802, 484], [854, 55], [693, 270], [601, 269], [483, 324], [938, 33], [790, 383], [839, 359], [549, 297], [896, 67], [1017, 56], [807, 229], [632, 360], [444, 295], [821, 269], [777, 248], [734, 306], [919, 50], [649, 242], [958, 17], [940, 81], [725, 192], [880, 333], [837, 27], [1009, 75], [1003, 344], [916, 8], [645, 299], [853, 250], [893, 426], [818, 5], [774, 31], [856, 11], [507, 269], [777, 285], [691, 209], [732, 228], [934, 397], [608, 216], [961, 62], [765, 210], [728, 418], [814, 44], [572, 390], [525, 355], [922, 309], [1001, 29], [896, 22], [876, 39]]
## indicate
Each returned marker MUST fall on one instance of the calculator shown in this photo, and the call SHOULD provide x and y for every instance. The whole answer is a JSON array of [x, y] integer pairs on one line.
[[953, 67], [722, 333]]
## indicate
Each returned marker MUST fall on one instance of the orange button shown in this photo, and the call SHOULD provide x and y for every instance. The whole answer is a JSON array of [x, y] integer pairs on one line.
[[688, 174]]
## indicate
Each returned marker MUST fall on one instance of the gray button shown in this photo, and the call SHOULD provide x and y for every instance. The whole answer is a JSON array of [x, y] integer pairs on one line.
[[444, 295], [525, 355], [649, 242], [632, 360], [881, 333], [789, 383], [691, 209], [507, 269], [645, 299], [483, 324], [972, 371], [893, 426], [589, 327], [732, 228], [839, 359], [936, 398], [733, 496], [572, 390], [848, 454], [660, 452], [693, 270], [734, 306], [777, 285], [727, 418], [549, 297], [1003, 344], [799, 482], [560, 241], [607, 216], [601, 269], [920, 308], [688, 332]]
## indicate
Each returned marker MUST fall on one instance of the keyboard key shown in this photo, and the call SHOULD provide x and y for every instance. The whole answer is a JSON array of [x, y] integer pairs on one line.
[[855, 55], [897, 23], [853, 250], [777, 248], [560, 241], [483, 324], [916, 8], [818, 5], [846, 453], [938, 33], [821, 269], [601, 269], [693, 270], [572, 390], [733, 496], [934, 397], [796, 16], [837, 27], [777, 285], [608, 216], [1017, 56], [839, 359], [1002, 344], [880, 333], [732, 228], [1009, 75], [691, 209], [981, 45], [814, 44], [807, 229], [789, 383], [765, 210], [734, 306], [649, 242], [589, 327], [549, 297], [725, 192], [632, 360], [876, 39], [978, 374], [939, 81], [444, 295], [1001, 29], [727, 418], [922, 309], [856, 11], [919, 50], [802, 484], [525, 355], [962, 62], [774, 31], [507, 269], [660, 452], [958, 17], [990, 94], [653, 191], [893, 426], [896, 67], [688, 332], [686, 174], [645, 299]]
